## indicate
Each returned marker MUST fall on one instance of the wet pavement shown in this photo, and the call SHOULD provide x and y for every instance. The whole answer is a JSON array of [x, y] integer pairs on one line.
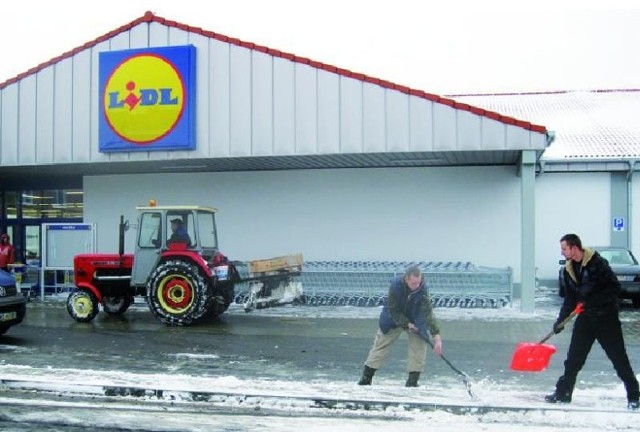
[[302, 344]]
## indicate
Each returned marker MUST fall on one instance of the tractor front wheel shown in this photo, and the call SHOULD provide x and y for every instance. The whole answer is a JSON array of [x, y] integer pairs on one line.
[[178, 293], [82, 305]]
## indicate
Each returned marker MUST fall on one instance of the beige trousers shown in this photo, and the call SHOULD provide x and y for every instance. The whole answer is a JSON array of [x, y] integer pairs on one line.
[[417, 350]]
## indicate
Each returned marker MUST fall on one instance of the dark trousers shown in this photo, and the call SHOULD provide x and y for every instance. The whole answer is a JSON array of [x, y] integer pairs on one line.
[[606, 329]]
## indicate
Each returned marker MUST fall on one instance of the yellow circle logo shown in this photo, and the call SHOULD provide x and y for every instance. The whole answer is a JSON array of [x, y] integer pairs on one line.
[[144, 98]]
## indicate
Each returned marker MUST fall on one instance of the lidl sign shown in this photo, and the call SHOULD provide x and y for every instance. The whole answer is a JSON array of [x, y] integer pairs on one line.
[[147, 99]]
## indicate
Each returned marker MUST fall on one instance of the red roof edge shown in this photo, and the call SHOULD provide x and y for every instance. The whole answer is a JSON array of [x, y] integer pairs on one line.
[[150, 17]]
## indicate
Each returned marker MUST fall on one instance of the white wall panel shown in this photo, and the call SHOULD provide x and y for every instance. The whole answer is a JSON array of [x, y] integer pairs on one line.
[[26, 121], [83, 100], [517, 138], [219, 99], [120, 42], [306, 113], [445, 127], [284, 93], [240, 85], [537, 140], [469, 131], [139, 36], [9, 125], [158, 35], [202, 95], [421, 124], [350, 115], [347, 224], [634, 217], [63, 111], [493, 134], [94, 151], [44, 112], [328, 113], [570, 203], [178, 37], [374, 130], [262, 106], [397, 116]]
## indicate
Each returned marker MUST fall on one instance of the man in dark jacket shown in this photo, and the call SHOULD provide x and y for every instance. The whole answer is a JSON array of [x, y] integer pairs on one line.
[[407, 308], [589, 280]]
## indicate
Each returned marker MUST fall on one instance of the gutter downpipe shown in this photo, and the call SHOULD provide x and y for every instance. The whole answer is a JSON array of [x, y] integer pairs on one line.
[[632, 168]]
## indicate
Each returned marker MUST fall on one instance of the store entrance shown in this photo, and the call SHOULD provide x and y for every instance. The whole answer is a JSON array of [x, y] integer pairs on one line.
[[23, 213]]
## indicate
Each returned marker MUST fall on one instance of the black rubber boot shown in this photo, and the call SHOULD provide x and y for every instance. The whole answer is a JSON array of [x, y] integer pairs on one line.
[[412, 381], [556, 397], [367, 375], [564, 390], [633, 392]]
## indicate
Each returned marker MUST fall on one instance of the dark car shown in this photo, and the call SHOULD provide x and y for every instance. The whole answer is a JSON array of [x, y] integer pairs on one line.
[[624, 265], [13, 304]]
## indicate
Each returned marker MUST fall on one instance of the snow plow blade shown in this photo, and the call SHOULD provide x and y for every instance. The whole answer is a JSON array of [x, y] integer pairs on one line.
[[271, 282]]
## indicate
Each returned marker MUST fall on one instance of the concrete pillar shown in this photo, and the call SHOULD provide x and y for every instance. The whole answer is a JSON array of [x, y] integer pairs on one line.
[[528, 234]]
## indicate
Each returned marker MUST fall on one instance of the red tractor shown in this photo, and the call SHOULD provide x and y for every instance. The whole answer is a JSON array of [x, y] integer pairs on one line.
[[179, 269]]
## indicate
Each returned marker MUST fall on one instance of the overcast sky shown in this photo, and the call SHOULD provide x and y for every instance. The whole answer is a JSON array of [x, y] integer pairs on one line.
[[443, 47]]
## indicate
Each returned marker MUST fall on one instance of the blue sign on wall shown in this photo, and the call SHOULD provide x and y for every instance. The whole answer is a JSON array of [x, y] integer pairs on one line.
[[618, 224], [147, 99]]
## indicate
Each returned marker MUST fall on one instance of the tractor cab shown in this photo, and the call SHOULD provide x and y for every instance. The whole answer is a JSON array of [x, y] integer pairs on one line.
[[172, 230]]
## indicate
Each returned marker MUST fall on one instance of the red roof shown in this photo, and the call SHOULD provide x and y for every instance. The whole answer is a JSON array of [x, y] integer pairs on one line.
[[149, 17]]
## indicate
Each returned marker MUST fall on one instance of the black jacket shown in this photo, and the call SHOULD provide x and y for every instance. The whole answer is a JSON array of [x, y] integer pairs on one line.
[[595, 285]]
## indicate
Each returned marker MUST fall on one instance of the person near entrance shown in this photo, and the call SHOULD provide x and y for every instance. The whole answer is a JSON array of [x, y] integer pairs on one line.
[[589, 280], [407, 308], [7, 252]]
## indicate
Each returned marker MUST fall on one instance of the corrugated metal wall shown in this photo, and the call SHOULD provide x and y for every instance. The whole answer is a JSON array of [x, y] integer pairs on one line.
[[249, 103]]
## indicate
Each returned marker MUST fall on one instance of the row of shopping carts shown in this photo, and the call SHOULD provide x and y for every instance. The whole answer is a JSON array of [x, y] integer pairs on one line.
[[366, 283]]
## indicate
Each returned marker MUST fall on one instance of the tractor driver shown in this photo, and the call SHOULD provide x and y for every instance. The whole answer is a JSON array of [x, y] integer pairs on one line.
[[180, 234]]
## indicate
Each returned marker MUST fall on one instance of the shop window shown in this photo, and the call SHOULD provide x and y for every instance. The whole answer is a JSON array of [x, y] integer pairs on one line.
[[52, 204], [10, 205]]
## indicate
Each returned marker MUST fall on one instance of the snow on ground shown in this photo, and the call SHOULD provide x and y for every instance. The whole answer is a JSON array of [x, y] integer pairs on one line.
[[598, 408]]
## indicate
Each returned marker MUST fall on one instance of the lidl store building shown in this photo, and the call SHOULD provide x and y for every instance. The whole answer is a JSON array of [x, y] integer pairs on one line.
[[296, 155]]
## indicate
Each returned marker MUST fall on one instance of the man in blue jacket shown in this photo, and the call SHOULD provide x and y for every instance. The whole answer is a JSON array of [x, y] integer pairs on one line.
[[407, 308]]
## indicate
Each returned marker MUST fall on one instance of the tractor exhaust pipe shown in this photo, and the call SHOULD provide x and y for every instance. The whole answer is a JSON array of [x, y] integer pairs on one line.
[[122, 229]]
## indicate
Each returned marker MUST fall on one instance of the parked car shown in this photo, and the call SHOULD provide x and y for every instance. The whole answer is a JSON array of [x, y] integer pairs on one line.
[[624, 264], [13, 304]]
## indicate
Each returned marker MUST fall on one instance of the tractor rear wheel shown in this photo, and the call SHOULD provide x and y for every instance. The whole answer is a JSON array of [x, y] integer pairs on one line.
[[82, 305], [178, 293], [116, 305]]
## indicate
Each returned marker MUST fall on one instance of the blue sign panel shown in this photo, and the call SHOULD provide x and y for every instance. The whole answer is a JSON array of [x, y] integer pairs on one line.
[[147, 99], [618, 224]]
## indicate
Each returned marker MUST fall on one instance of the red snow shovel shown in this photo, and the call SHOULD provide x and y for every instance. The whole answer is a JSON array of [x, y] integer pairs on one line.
[[534, 357]]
